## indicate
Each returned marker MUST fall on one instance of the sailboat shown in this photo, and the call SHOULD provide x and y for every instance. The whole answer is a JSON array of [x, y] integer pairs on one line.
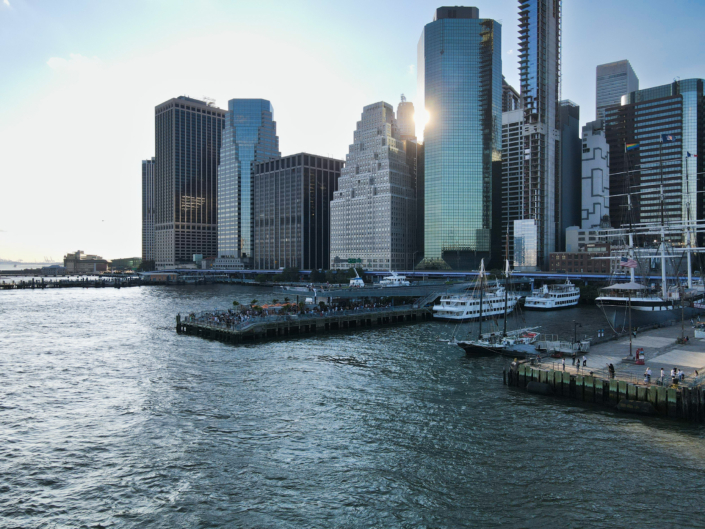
[[514, 343]]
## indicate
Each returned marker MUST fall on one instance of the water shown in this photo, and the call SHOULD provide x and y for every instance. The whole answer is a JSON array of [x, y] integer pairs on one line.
[[108, 418]]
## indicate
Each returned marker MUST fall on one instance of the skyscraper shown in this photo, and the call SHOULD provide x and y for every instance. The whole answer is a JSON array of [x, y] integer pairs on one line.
[[676, 110], [595, 174], [405, 119], [292, 198], [540, 73], [187, 134], [613, 80], [571, 168], [511, 100], [460, 77], [250, 137], [512, 193], [148, 210], [374, 210]]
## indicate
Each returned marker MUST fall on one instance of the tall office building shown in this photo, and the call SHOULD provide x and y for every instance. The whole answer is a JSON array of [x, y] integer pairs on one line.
[[460, 77], [148, 210], [571, 169], [613, 80], [511, 100], [641, 121], [512, 192], [595, 174], [373, 212], [250, 137], [405, 119], [187, 134], [292, 198], [540, 73]]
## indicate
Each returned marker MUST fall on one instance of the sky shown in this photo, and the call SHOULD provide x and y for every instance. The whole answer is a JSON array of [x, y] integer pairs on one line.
[[79, 81]]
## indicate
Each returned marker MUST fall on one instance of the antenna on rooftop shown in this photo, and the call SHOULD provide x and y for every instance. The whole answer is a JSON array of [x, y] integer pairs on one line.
[[209, 100], [403, 98]]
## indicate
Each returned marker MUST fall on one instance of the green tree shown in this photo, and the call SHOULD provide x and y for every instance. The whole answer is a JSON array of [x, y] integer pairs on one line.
[[286, 300], [290, 274], [236, 304], [275, 301], [317, 276], [261, 278], [254, 302]]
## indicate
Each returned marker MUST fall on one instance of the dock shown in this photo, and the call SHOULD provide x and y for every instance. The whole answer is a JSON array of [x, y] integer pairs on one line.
[[262, 328], [628, 390]]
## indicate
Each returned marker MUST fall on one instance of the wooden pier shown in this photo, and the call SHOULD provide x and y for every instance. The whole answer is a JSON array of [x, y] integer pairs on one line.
[[285, 326], [676, 402]]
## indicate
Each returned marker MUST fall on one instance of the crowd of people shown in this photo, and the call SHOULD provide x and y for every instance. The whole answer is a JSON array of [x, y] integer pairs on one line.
[[253, 313]]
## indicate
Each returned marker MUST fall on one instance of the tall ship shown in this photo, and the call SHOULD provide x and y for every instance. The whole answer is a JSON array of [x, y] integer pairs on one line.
[[551, 297]]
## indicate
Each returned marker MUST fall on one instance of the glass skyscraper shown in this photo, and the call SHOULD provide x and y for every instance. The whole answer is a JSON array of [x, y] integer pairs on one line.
[[540, 77], [250, 137], [676, 109], [612, 81], [460, 82], [148, 210]]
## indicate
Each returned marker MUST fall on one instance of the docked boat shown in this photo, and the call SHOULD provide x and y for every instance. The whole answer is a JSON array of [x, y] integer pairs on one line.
[[394, 280], [466, 307], [550, 297], [517, 343]]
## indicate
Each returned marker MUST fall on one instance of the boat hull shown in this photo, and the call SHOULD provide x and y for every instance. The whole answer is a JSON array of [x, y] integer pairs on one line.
[[544, 308]]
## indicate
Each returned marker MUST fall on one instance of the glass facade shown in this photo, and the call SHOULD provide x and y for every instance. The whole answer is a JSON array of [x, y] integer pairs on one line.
[[525, 244], [462, 87], [292, 199], [644, 116], [250, 137], [540, 77], [187, 151], [613, 80]]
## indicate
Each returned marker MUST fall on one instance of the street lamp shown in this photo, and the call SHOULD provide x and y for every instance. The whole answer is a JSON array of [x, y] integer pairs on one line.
[[575, 330]]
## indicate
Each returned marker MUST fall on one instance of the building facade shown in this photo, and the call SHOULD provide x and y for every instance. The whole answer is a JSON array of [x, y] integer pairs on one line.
[[511, 100], [639, 124], [513, 196], [460, 80], [612, 81], [540, 74], [187, 152], [373, 213], [148, 210], [292, 197], [405, 119], [593, 260], [250, 137], [595, 175], [526, 243], [80, 263], [571, 169]]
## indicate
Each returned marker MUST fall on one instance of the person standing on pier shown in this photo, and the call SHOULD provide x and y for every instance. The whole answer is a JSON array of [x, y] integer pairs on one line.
[[584, 361], [662, 375], [574, 357], [563, 361]]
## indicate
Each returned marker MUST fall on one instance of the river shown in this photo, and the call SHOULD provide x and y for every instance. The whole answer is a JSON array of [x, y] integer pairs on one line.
[[108, 418]]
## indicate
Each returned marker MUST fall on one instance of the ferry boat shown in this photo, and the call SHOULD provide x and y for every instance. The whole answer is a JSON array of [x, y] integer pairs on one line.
[[553, 297], [482, 302], [394, 280]]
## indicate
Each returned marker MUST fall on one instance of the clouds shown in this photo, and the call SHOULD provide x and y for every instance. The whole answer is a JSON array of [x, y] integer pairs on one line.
[[510, 52], [75, 63], [7, 3], [411, 69]]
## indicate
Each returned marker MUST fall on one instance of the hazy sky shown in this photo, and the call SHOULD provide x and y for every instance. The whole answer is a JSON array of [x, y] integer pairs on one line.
[[79, 81]]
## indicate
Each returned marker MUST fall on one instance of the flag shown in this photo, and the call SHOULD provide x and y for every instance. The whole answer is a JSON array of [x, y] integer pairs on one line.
[[688, 155], [667, 138], [629, 263], [630, 146]]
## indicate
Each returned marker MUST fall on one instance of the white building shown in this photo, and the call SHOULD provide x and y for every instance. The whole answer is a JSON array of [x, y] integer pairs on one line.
[[513, 192], [596, 176], [373, 213]]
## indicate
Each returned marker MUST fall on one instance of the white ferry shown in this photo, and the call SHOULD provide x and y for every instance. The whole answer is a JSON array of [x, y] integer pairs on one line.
[[462, 307], [394, 280], [551, 297]]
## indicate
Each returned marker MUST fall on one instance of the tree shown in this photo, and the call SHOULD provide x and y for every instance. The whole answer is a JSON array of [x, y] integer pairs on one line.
[[236, 304], [286, 300], [275, 301], [290, 274], [317, 276], [254, 302], [322, 305], [261, 278]]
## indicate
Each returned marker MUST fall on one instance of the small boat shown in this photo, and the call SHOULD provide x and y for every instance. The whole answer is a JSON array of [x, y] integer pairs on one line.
[[393, 280], [357, 282], [551, 297]]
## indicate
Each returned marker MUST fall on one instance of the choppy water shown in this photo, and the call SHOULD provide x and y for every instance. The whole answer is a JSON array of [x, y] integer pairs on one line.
[[108, 418]]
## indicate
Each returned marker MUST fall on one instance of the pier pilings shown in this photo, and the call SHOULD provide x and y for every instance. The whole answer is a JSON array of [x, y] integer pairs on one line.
[[687, 403]]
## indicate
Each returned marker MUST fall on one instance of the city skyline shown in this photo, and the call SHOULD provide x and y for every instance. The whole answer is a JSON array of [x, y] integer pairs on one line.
[[90, 75]]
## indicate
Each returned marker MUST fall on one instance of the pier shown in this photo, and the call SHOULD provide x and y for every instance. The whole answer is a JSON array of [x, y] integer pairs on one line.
[[627, 390], [267, 327]]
